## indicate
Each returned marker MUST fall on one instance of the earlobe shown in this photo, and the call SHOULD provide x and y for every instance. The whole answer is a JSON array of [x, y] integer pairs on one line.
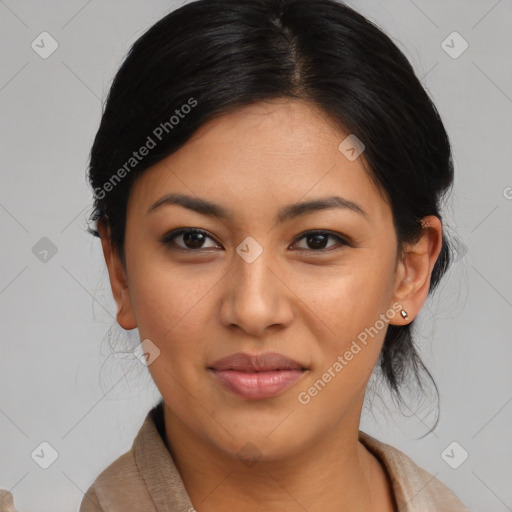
[[415, 270], [118, 281], [125, 315]]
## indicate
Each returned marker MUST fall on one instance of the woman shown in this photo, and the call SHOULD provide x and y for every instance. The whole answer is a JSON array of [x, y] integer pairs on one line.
[[268, 176]]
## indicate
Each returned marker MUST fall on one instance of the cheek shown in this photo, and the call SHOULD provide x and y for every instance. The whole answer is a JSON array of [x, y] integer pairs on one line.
[[170, 304], [352, 316], [172, 312], [347, 354], [348, 301]]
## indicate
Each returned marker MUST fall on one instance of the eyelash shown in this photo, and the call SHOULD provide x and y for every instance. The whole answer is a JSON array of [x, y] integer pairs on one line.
[[167, 239]]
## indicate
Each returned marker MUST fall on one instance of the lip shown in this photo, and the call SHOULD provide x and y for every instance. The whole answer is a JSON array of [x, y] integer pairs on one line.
[[266, 361], [255, 377]]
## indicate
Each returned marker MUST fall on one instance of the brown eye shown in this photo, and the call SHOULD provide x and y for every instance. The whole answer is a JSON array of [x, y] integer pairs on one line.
[[317, 240], [191, 239]]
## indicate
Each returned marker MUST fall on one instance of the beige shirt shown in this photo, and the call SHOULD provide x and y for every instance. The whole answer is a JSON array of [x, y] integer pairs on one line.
[[145, 479]]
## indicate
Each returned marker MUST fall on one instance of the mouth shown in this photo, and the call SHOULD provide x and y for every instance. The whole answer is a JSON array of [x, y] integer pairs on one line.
[[257, 377]]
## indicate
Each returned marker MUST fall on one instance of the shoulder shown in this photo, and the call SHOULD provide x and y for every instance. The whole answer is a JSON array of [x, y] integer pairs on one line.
[[414, 488], [144, 478], [119, 487], [6, 501]]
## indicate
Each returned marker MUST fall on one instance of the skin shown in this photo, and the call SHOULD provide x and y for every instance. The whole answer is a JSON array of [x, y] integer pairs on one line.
[[294, 298]]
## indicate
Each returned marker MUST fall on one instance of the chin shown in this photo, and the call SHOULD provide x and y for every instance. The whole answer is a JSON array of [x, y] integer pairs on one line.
[[251, 445]]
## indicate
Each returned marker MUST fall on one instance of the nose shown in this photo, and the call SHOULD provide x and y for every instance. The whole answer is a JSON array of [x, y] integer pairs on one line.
[[256, 297]]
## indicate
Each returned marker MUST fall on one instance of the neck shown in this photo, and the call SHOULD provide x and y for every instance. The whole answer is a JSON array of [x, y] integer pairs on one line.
[[335, 473]]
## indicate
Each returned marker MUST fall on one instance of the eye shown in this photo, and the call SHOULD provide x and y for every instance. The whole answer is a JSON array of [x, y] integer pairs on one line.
[[316, 239], [192, 239]]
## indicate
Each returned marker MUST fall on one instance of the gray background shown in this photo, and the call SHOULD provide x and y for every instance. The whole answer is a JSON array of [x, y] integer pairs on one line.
[[59, 382]]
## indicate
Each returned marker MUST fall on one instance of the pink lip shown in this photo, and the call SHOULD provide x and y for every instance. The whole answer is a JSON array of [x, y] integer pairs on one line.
[[257, 377]]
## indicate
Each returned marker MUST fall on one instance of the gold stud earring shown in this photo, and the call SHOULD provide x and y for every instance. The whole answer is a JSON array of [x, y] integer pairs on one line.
[[403, 313]]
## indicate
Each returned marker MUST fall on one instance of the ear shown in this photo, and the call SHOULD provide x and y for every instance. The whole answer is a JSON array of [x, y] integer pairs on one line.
[[118, 280], [414, 270]]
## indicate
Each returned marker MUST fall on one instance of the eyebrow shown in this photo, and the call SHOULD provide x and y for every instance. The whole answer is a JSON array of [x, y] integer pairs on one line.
[[286, 213]]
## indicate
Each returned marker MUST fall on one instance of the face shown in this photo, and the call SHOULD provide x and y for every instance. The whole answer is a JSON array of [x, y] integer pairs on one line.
[[257, 280]]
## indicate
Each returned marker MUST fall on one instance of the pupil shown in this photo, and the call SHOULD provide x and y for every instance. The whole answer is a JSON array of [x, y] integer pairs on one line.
[[318, 241], [189, 237]]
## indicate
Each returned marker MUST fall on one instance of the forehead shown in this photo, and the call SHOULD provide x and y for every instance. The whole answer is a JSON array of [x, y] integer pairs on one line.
[[263, 155], [285, 130]]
